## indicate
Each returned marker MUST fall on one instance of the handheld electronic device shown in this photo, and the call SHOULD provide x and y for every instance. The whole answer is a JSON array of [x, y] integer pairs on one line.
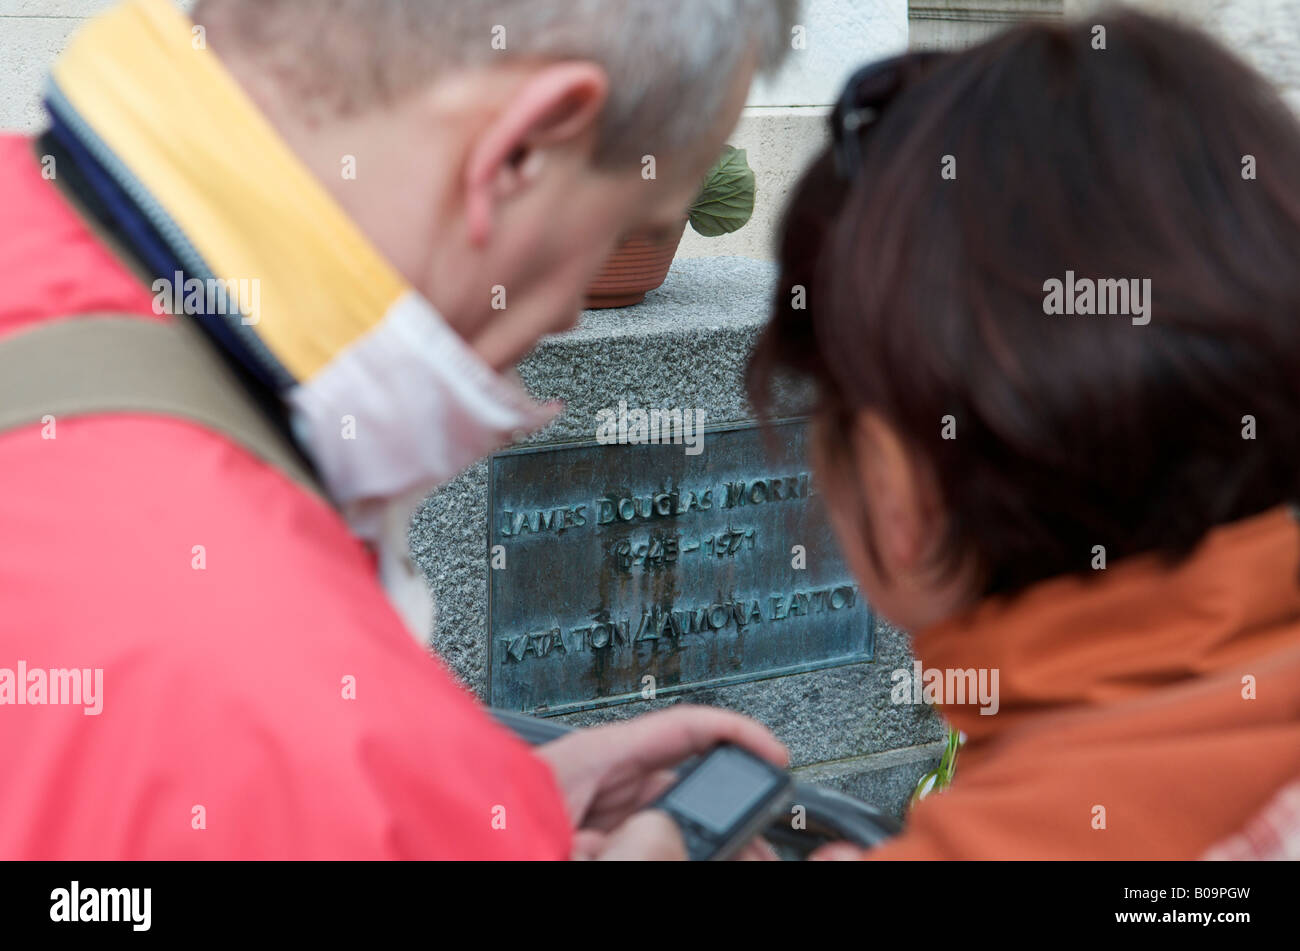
[[724, 800]]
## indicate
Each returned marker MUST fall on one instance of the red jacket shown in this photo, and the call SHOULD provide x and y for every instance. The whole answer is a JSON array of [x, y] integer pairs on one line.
[[226, 729]]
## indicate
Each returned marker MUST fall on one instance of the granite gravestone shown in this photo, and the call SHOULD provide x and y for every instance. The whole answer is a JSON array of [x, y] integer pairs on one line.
[[583, 576]]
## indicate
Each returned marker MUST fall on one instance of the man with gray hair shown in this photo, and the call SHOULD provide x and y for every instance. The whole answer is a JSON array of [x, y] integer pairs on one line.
[[413, 193]]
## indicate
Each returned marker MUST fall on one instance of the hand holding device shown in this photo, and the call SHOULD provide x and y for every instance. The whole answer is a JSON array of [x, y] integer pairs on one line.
[[724, 800]]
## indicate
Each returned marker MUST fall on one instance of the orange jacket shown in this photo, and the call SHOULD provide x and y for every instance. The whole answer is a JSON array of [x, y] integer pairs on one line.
[[1148, 712]]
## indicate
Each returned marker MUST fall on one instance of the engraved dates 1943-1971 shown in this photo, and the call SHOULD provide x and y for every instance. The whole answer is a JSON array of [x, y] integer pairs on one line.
[[614, 563]]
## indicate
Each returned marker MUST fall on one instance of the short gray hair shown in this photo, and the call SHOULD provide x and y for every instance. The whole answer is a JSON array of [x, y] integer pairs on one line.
[[672, 63]]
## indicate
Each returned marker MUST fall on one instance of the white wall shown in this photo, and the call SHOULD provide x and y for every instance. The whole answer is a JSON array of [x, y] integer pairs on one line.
[[32, 34], [839, 36], [782, 129], [785, 124]]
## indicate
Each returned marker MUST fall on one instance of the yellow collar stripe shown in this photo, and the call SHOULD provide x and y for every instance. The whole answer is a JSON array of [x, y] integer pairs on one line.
[[183, 127]]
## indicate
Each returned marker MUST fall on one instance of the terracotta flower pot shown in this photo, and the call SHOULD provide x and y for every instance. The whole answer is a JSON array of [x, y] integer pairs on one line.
[[636, 268]]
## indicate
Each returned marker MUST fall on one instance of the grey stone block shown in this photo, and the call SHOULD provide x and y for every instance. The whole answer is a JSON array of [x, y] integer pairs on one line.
[[686, 346], [886, 780]]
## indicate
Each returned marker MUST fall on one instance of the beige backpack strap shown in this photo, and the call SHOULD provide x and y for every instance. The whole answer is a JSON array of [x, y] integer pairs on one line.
[[116, 364]]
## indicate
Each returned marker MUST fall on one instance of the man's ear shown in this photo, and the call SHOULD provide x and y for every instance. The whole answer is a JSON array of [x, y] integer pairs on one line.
[[899, 492], [557, 104]]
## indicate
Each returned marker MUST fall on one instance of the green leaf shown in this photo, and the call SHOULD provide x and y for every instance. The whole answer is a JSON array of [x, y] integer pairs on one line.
[[927, 784], [726, 202], [940, 778]]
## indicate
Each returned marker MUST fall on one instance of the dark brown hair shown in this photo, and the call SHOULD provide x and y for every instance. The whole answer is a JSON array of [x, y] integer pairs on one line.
[[925, 294]]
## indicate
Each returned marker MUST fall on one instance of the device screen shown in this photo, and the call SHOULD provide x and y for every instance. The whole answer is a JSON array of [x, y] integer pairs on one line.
[[722, 790]]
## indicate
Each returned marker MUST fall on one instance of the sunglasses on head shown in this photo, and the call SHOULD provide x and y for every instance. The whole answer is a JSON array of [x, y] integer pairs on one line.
[[866, 95]]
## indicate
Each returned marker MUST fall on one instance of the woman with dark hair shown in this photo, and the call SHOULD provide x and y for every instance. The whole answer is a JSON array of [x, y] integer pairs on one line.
[[1048, 293]]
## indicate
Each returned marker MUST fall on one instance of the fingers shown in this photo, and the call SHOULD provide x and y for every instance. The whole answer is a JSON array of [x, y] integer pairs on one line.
[[616, 806], [607, 772], [655, 786], [647, 837], [588, 844], [757, 851], [837, 852]]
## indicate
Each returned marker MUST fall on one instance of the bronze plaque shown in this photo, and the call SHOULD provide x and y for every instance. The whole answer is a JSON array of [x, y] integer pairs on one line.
[[622, 570]]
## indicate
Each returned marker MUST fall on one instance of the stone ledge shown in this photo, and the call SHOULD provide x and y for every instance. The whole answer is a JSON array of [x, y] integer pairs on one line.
[[686, 346], [885, 780], [699, 293]]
